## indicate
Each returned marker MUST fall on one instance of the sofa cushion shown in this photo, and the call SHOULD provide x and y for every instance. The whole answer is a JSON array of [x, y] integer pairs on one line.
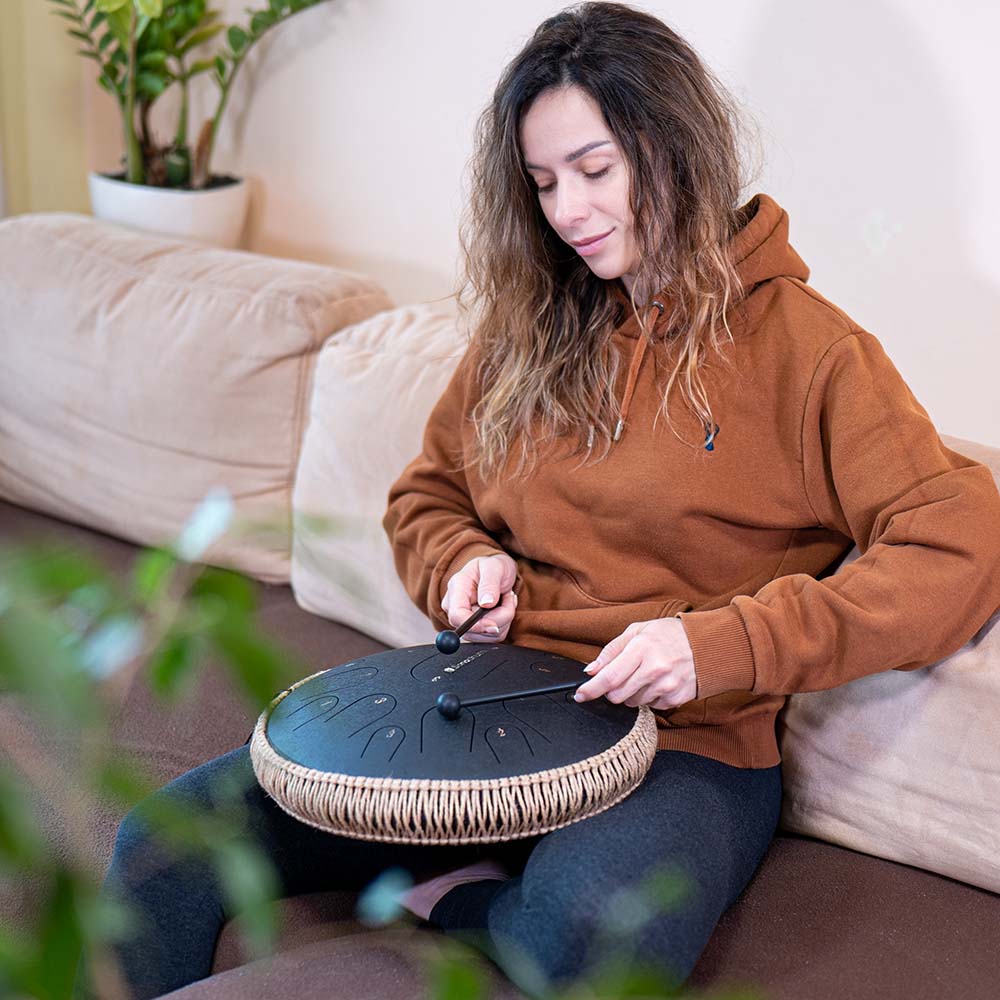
[[375, 386], [905, 765], [140, 372]]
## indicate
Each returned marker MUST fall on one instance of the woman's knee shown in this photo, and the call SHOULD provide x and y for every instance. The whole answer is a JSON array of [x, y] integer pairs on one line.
[[559, 931]]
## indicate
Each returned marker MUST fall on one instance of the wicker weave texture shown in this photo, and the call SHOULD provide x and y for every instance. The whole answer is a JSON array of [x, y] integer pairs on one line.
[[428, 811]]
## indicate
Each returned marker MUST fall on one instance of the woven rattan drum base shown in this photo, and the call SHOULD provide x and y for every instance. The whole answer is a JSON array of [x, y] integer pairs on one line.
[[377, 738]]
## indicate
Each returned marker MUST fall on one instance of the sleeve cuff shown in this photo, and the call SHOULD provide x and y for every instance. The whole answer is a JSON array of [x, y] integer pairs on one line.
[[723, 656]]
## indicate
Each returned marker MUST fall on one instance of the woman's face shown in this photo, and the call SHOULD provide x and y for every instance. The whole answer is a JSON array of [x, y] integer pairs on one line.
[[582, 179]]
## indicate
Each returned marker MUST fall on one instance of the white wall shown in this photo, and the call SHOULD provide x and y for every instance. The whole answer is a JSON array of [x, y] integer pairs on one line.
[[355, 122]]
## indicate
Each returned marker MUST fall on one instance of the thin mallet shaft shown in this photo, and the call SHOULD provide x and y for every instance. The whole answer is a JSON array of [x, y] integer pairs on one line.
[[471, 620], [450, 705], [528, 693]]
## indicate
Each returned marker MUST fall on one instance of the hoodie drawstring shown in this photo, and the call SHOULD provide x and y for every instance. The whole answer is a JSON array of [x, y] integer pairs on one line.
[[633, 370]]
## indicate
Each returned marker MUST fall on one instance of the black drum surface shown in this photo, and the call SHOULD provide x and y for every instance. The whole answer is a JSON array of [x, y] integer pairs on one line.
[[377, 716]]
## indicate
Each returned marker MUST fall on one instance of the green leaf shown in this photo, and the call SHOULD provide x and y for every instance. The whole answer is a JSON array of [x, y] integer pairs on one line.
[[66, 14], [110, 6], [82, 35], [89, 55], [118, 22], [20, 843], [457, 978], [251, 887], [201, 66], [121, 784], [39, 658], [277, 6], [60, 936], [261, 21], [52, 572], [261, 668], [236, 592], [150, 84], [15, 963], [171, 664], [237, 39], [179, 167], [199, 38], [106, 39], [220, 69], [152, 574], [153, 60], [176, 23], [150, 8], [62, 3]]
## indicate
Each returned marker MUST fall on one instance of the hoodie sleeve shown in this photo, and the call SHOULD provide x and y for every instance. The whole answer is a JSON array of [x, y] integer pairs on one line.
[[431, 519], [926, 521]]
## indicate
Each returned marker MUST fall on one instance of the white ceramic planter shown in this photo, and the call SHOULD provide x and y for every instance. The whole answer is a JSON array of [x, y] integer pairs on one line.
[[214, 216]]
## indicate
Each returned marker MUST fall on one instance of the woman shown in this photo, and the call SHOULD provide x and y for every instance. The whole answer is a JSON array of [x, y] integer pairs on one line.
[[659, 443], [680, 549]]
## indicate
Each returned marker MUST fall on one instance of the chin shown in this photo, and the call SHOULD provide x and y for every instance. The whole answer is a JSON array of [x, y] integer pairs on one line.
[[605, 270]]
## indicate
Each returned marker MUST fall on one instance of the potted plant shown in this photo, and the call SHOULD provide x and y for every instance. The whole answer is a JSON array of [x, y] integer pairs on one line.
[[142, 49]]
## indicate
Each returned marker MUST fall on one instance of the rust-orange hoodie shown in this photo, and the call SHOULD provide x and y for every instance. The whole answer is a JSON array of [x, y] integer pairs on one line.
[[820, 444]]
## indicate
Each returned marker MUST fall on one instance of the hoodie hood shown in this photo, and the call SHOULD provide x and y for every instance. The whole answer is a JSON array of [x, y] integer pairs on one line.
[[761, 250]]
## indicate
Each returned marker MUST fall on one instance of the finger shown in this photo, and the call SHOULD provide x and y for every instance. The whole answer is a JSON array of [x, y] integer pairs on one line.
[[460, 607], [490, 587], [497, 576], [632, 687], [497, 622], [503, 614], [608, 653], [614, 648], [644, 696], [612, 675]]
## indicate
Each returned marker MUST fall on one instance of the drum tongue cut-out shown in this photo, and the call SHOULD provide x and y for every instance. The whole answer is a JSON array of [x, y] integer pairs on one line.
[[362, 750]]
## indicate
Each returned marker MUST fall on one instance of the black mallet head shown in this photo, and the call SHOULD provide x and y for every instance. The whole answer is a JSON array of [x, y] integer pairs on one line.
[[447, 642], [449, 705]]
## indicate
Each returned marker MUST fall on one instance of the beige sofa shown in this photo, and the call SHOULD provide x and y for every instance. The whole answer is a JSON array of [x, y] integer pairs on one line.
[[141, 375]]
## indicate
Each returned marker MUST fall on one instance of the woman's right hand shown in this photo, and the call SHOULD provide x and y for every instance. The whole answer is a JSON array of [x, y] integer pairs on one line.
[[487, 581]]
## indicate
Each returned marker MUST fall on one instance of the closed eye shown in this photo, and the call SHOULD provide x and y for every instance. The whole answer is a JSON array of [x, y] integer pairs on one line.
[[593, 177]]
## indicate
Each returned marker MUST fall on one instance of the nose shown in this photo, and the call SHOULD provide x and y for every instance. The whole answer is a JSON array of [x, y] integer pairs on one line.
[[571, 206]]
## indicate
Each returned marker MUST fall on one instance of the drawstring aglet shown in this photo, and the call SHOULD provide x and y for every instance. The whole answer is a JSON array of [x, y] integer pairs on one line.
[[619, 427]]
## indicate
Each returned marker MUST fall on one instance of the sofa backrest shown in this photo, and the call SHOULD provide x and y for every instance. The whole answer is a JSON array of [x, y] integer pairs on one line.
[[375, 385], [139, 373]]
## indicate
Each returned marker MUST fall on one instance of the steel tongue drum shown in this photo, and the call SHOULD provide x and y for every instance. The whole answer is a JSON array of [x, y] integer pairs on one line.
[[417, 746]]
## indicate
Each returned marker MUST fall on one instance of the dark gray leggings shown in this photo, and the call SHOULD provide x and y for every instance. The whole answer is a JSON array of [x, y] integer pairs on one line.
[[580, 898]]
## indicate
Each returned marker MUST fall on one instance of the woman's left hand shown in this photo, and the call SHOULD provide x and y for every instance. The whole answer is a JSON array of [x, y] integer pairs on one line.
[[650, 663]]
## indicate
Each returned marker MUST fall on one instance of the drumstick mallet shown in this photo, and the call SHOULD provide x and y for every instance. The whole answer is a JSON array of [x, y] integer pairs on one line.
[[447, 642], [450, 705]]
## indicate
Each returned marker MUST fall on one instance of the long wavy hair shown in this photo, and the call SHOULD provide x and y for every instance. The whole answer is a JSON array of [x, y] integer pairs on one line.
[[539, 318]]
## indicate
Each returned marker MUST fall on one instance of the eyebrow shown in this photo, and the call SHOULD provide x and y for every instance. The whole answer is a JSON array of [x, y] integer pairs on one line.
[[576, 154]]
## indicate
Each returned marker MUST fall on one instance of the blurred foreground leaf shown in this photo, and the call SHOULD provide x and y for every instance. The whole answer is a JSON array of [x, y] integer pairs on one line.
[[456, 976]]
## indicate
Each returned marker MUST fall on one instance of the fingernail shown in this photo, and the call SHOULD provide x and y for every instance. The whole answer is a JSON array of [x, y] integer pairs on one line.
[[590, 668], [492, 630], [486, 599], [577, 697]]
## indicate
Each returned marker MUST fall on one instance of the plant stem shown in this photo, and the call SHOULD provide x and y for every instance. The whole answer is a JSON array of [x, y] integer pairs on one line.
[[206, 174], [182, 121], [134, 173]]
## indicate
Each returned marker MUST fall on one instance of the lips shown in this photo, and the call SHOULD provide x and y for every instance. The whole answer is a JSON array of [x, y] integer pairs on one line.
[[589, 239]]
